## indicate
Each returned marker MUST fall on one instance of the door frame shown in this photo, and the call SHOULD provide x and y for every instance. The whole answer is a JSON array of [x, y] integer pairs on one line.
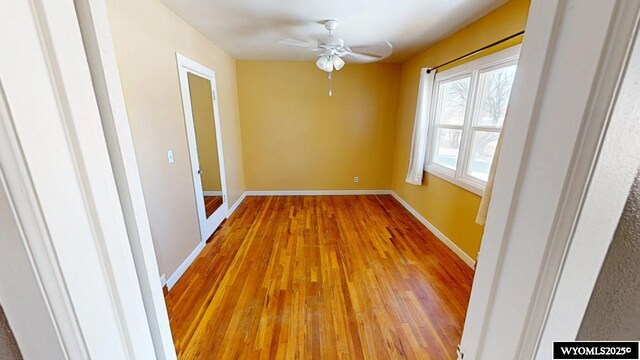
[[185, 66], [611, 178], [69, 287], [100, 52]]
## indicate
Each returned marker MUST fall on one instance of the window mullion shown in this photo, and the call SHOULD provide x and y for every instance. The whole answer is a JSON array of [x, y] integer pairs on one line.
[[450, 126], [486, 128], [466, 128]]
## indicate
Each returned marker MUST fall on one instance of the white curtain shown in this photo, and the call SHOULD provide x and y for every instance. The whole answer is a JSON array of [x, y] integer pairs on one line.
[[481, 217], [420, 127]]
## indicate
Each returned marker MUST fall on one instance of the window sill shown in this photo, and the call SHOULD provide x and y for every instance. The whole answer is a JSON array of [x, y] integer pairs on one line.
[[460, 182]]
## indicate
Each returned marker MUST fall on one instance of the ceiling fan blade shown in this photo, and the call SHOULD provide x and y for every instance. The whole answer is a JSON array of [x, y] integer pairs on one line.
[[295, 42], [358, 57], [380, 50]]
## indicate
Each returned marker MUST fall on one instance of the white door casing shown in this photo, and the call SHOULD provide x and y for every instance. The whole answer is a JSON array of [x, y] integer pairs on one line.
[[96, 35], [59, 192], [561, 311]]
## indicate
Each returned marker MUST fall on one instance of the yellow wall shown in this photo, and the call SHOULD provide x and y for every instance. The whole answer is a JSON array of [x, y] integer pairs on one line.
[[296, 137], [449, 208], [146, 36], [204, 123]]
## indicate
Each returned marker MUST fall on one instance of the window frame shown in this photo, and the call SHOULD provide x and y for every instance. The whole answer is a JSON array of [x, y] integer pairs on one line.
[[472, 69]]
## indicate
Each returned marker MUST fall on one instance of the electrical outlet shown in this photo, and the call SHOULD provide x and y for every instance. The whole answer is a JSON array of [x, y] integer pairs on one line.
[[170, 156], [355, 179]]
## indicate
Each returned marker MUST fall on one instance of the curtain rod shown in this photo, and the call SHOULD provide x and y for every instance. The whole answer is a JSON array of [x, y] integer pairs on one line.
[[476, 51]]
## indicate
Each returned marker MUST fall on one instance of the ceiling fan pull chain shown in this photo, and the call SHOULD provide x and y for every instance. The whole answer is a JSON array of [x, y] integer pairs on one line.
[[330, 83]]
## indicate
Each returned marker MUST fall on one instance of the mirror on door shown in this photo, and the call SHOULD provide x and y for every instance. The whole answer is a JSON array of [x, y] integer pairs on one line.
[[205, 130]]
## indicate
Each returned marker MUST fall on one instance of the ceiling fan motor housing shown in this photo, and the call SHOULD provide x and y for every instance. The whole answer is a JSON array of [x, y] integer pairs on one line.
[[331, 24], [331, 42], [333, 45]]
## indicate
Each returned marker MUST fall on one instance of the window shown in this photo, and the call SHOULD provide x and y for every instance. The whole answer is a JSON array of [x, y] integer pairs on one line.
[[468, 108]]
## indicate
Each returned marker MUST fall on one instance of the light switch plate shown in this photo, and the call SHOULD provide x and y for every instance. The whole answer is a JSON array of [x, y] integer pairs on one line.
[[170, 156]]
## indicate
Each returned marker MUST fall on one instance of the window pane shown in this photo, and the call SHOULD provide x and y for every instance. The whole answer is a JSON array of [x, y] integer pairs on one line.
[[482, 150], [447, 147], [453, 104], [494, 95]]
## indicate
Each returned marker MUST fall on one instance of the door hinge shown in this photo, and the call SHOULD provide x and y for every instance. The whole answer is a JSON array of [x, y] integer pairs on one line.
[[214, 94], [460, 352]]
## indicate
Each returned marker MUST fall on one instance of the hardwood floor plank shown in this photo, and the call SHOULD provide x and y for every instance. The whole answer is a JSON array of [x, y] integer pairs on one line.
[[211, 204], [321, 277]]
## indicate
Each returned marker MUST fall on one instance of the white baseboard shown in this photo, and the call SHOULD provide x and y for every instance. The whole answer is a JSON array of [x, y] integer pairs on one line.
[[450, 244], [233, 208], [316, 192], [173, 279], [163, 280], [212, 193]]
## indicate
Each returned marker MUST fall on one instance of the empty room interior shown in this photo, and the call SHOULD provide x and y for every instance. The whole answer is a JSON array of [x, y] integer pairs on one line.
[[313, 178], [327, 249]]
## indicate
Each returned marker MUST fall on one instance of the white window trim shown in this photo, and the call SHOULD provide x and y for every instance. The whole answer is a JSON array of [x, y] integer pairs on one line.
[[473, 68]]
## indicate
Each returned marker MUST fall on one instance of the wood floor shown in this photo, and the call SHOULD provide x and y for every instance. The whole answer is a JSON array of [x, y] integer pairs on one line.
[[211, 204], [321, 277]]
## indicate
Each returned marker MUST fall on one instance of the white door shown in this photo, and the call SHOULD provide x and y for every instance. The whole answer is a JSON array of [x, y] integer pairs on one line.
[[202, 120]]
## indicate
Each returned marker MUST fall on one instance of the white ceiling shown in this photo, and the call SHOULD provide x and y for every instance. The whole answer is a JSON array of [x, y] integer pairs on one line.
[[249, 29]]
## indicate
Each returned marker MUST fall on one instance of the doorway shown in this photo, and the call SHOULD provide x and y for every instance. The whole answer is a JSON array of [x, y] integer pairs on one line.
[[202, 120]]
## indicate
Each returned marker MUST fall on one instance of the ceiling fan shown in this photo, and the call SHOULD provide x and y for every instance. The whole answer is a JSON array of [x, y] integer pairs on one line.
[[331, 50]]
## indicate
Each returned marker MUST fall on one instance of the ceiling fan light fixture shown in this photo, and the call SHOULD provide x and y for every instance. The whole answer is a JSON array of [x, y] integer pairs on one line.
[[338, 63], [324, 63], [330, 50]]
